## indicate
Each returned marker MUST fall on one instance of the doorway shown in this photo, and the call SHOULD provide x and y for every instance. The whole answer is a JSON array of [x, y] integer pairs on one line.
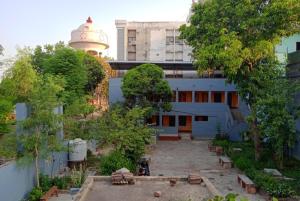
[[185, 124]]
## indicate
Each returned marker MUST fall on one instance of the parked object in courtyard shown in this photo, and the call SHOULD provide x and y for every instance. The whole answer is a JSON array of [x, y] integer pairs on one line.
[[157, 194], [173, 182], [194, 179], [219, 150], [52, 191], [144, 169], [246, 183], [122, 176], [225, 162], [211, 147], [273, 172], [78, 150]]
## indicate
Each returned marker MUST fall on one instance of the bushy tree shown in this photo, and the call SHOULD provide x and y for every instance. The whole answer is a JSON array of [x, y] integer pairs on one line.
[[39, 138], [144, 86], [238, 37], [276, 114], [126, 130], [19, 80], [81, 71]]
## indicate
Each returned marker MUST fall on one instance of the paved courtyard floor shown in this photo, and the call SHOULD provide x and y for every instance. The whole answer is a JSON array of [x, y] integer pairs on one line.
[[143, 191], [180, 158]]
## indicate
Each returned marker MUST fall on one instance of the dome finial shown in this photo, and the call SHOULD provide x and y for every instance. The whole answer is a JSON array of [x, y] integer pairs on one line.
[[89, 20]]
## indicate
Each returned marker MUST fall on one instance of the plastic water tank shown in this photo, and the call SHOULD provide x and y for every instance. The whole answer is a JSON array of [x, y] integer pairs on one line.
[[77, 150]]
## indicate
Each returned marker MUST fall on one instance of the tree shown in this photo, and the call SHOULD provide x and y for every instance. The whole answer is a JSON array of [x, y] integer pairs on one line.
[[276, 114], [126, 130], [144, 86], [238, 37], [19, 80], [81, 71], [39, 138], [95, 72]]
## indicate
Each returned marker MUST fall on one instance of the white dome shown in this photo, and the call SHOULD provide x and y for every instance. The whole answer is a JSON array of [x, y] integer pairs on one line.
[[88, 37]]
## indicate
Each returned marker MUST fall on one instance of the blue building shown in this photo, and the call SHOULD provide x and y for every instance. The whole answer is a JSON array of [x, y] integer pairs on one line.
[[201, 106]]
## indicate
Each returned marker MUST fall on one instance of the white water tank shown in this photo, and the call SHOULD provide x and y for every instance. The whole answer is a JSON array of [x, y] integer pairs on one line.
[[77, 150]]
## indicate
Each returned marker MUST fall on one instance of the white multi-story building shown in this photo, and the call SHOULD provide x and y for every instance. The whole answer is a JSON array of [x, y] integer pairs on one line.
[[151, 41]]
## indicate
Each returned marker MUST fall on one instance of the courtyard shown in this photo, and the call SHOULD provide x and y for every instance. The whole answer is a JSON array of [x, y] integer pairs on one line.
[[183, 157]]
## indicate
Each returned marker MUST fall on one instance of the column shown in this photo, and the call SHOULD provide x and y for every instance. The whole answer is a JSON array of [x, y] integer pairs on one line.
[[209, 96]]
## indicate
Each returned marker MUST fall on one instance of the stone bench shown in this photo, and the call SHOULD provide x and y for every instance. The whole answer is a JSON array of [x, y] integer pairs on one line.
[[225, 162], [246, 183], [52, 191]]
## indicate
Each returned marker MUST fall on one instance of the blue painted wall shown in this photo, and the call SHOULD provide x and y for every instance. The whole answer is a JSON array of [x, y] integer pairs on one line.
[[218, 113], [16, 180]]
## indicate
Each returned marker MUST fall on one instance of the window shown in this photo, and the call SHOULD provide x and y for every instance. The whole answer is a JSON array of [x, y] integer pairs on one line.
[[182, 120], [217, 96], [201, 118], [297, 46], [169, 40], [178, 40], [154, 120], [185, 96], [168, 121], [201, 96]]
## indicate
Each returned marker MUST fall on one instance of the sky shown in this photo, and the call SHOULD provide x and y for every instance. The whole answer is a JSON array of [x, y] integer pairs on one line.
[[39, 22]]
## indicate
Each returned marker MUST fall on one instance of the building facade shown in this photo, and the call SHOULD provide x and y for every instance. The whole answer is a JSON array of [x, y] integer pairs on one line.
[[150, 41]]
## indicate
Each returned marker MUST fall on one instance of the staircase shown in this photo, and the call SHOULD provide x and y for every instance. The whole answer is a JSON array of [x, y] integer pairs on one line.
[[237, 115], [185, 136]]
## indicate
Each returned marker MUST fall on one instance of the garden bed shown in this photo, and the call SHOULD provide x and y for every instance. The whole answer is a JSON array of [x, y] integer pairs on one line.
[[245, 161]]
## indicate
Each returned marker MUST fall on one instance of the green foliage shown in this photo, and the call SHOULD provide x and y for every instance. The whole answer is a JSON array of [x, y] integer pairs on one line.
[[76, 121], [126, 130], [238, 37], [45, 182], [95, 72], [245, 160], [243, 163], [81, 72], [228, 197], [35, 194], [19, 81], [77, 178], [277, 111], [144, 86], [42, 124], [6, 108], [114, 161]]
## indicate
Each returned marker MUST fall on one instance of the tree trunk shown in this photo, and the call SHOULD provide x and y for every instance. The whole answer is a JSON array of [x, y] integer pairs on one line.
[[37, 169]]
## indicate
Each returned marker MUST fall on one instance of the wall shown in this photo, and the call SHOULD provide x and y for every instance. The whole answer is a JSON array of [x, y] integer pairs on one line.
[[17, 180], [218, 113], [286, 46]]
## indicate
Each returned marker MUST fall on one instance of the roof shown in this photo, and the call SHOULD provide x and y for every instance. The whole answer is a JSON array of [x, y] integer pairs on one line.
[[166, 65]]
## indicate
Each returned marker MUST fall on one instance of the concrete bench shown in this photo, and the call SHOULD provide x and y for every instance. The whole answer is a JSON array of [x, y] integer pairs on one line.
[[52, 191], [225, 162], [246, 183]]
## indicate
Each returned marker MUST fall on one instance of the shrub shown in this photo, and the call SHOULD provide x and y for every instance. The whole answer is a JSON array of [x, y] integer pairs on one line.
[[280, 190], [45, 182], [114, 161], [35, 194], [243, 163], [61, 182]]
